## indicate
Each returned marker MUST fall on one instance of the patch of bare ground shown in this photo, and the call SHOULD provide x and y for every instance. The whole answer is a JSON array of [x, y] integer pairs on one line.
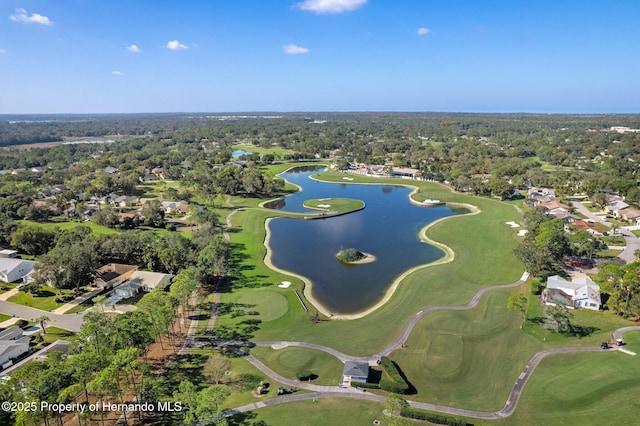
[[158, 354]]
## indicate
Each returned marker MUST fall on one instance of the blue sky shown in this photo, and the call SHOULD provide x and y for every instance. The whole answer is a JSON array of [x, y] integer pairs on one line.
[[319, 55]]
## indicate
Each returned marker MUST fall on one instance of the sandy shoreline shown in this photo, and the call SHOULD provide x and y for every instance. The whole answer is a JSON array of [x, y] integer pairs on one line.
[[308, 285], [368, 258]]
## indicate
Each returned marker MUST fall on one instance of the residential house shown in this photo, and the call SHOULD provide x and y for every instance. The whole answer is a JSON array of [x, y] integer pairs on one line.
[[628, 213], [148, 177], [8, 253], [149, 281], [13, 344], [406, 172], [614, 205], [583, 225], [14, 269], [139, 281], [355, 371], [114, 274], [111, 170], [126, 201], [579, 293], [179, 207]]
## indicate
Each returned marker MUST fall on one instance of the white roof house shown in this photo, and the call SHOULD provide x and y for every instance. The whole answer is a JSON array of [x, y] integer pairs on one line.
[[149, 281], [579, 293], [14, 269], [12, 344]]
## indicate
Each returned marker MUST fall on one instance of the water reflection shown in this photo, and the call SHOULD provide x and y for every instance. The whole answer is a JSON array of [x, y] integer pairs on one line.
[[387, 228]]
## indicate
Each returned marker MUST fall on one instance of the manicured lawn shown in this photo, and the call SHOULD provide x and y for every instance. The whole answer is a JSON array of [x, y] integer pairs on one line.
[[337, 205], [483, 256], [320, 412], [614, 240], [579, 389], [65, 224], [53, 334], [456, 353], [268, 304], [4, 317], [469, 359], [277, 152], [592, 327], [44, 299], [608, 253], [288, 361]]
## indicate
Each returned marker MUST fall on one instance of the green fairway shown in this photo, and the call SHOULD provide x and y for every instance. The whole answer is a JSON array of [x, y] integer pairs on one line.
[[334, 205], [451, 354], [455, 353], [477, 240], [288, 361], [320, 412], [579, 389], [269, 304]]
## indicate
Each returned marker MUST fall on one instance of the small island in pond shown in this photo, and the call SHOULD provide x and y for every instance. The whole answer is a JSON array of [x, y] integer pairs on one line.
[[353, 256], [333, 206]]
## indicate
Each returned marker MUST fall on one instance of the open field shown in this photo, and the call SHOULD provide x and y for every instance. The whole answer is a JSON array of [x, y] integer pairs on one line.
[[277, 152]]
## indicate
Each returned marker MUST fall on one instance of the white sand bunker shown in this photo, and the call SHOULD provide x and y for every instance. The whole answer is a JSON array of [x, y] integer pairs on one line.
[[513, 224], [324, 206], [522, 233], [347, 178], [284, 284]]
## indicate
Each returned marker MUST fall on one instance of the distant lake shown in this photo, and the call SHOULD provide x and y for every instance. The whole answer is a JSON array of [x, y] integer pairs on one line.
[[388, 228], [240, 152], [92, 140]]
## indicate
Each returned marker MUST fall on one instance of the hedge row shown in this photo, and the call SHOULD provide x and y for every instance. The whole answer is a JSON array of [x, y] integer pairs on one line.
[[365, 385], [438, 419], [392, 381]]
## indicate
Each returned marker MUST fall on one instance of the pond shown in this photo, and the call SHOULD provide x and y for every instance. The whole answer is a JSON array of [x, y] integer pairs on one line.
[[387, 228], [239, 153]]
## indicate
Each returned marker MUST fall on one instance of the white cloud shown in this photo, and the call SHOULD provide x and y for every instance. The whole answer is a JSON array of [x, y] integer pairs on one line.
[[330, 6], [176, 45], [424, 31], [134, 49], [21, 16], [292, 49], [117, 73]]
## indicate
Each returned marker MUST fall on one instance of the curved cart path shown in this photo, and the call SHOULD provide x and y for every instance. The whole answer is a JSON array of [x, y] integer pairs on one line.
[[405, 334], [336, 391]]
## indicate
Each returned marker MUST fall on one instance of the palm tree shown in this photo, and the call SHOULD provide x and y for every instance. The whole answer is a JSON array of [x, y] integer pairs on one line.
[[41, 320]]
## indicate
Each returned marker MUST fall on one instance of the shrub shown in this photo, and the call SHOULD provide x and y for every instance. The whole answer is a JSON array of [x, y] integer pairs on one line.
[[304, 374], [365, 385], [392, 381], [438, 419]]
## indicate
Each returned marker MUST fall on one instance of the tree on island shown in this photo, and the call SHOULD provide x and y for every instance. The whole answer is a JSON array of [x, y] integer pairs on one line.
[[350, 255]]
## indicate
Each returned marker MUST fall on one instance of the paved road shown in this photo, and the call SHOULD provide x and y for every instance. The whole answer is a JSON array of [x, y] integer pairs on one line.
[[633, 242], [585, 211], [71, 322]]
